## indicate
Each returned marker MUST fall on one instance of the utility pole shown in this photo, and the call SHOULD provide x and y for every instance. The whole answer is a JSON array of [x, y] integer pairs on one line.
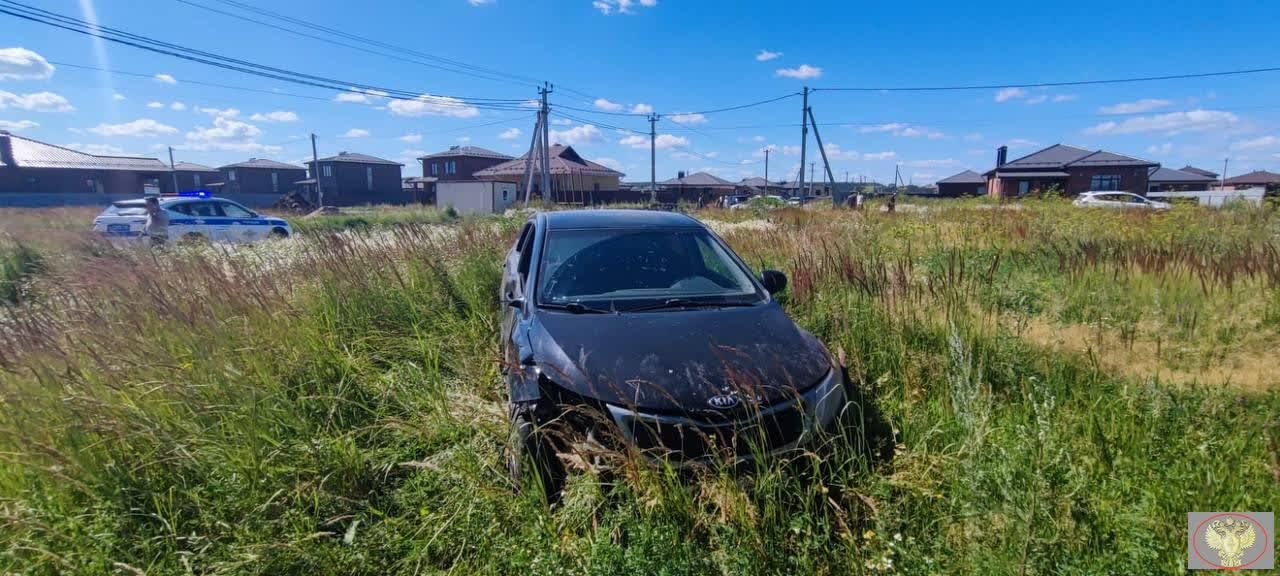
[[804, 136], [810, 179], [826, 165], [653, 158], [766, 171], [528, 159], [315, 168], [846, 176], [1224, 172], [546, 147], [173, 170]]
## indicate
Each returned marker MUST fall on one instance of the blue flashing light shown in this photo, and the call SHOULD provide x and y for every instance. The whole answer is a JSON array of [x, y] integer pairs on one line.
[[195, 194]]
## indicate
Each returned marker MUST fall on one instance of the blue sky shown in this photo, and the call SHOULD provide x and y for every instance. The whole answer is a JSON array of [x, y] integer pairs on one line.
[[670, 56]]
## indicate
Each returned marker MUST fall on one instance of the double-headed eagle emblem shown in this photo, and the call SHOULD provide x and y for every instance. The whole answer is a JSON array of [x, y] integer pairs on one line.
[[1230, 537]]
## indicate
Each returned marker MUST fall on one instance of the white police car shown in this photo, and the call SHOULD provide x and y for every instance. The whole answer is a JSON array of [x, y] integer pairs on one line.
[[192, 216]]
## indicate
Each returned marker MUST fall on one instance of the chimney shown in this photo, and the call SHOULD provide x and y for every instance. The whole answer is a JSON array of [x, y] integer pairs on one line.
[[680, 175], [1002, 155], [6, 149]]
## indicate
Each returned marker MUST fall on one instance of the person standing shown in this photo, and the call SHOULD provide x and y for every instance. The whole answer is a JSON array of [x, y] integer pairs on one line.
[[893, 202], [157, 225]]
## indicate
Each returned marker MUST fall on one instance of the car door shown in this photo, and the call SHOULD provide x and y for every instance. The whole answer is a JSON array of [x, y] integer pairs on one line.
[[515, 273], [182, 220], [241, 224]]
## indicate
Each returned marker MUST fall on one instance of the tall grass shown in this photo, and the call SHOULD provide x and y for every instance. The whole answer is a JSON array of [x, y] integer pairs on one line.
[[332, 404]]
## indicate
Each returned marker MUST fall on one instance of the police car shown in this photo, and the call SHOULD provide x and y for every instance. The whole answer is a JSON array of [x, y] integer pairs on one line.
[[193, 215]]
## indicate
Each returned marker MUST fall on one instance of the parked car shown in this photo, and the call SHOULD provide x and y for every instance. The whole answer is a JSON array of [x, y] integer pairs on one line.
[[643, 330], [769, 201], [192, 216], [1118, 200]]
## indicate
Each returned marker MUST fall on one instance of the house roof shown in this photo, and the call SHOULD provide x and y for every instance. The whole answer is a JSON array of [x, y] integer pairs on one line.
[[1261, 177], [358, 158], [1170, 175], [563, 160], [474, 151], [30, 153], [1061, 156], [700, 179], [1200, 171], [262, 163], [757, 182], [1104, 158], [1031, 174], [192, 167], [966, 177]]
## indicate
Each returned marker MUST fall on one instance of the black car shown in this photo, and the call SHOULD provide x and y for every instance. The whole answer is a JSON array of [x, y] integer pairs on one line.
[[643, 330]]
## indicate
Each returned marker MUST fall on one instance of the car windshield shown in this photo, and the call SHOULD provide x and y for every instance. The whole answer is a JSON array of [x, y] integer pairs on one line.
[[625, 268]]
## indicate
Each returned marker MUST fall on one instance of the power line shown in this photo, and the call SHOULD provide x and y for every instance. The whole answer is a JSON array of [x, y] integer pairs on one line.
[[1187, 76], [669, 114]]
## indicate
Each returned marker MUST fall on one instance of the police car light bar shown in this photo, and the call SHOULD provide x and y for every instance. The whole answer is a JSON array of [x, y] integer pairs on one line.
[[191, 194]]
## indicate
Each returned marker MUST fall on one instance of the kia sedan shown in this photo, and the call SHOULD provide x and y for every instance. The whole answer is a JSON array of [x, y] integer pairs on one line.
[[641, 330]]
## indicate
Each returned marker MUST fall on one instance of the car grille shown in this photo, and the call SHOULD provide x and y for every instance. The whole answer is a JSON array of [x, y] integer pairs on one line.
[[691, 439]]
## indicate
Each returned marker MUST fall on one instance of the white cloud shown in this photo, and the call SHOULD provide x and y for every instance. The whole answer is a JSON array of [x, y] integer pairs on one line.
[[166, 79], [142, 127], [360, 96], [803, 72], [464, 139], [791, 150], [686, 118], [765, 56], [1257, 143], [23, 64], [1135, 107], [757, 138], [428, 105], [661, 142], [510, 134], [834, 152], [410, 154], [1022, 143], [880, 155], [220, 112], [154, 104], [578, 135], [480, 2], [411, 138], [178, 106], [1006, 94], [17, 124], [642, 108], [1064, 97], [561, 122], [227, 134], [904, 130], [609, 162], [98, 149], [1171, 123], [355, 133], [608, 7], [760, 153], [973, 137], [275, 116], [1160, 150], [1041, 99], [940, 163], [35, 102], [118, 97], [923, 177], [608, 106]]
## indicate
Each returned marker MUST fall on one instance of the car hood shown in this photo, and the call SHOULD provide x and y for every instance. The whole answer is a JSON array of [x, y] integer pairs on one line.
[[673, 361]]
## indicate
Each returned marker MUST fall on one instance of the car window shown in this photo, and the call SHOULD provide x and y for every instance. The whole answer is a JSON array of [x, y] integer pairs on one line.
[[526, 251], [231, 210], [184, 208], [638, 264]]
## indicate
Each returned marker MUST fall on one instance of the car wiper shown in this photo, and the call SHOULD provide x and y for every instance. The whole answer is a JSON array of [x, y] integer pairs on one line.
[[574, 307], [686, 303]]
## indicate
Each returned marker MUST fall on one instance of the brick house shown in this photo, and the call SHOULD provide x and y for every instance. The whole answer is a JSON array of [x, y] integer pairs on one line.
[[1068, 169], [967, 183], [257, 181], [33, 173], [353, 179], [460, 163], [192, 176]]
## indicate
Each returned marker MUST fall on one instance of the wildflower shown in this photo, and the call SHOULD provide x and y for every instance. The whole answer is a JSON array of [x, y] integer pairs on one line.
[[869, 534]]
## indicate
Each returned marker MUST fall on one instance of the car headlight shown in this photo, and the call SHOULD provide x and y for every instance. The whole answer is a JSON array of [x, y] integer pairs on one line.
[[824, 402]]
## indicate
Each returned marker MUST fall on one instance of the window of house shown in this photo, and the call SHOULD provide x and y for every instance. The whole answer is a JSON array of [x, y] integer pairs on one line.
[[1023, 187], [275, 182], [195, 179], [435, 169], [368, 176], [93, 185], [231, 175], [1104, 182], [450, 167], [327, 170]]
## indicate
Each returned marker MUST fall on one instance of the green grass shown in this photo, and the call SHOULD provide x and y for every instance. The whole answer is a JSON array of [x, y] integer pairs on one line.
[[340, 411]]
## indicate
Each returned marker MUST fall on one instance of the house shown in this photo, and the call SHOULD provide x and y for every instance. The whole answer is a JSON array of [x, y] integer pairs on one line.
[[1200, 171], [193, 176], [574, 179], [1069, 170], [699, 187], [967, 183], [460, 163], [1256, 179], [257, 181], [353, 179], [34, 173], [758, 185], [1169, 180]]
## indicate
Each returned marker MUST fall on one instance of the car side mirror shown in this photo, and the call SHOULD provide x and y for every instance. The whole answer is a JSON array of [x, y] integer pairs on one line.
[[514, 302], [774, 281]]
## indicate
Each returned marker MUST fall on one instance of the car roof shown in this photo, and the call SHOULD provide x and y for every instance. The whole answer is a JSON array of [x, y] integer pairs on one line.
[[567, 219]]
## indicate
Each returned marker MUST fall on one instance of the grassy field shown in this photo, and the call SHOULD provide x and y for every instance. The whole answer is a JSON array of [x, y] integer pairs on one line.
[[1064, 385]]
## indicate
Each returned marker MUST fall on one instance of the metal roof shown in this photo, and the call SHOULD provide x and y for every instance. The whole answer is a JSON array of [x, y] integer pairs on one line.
[[262, 163], [1053, 156], [757, 182], [1261, 177], [1171, 175], [475, 151], [1023, 174], [28, 153], [966, 177], [1104, 158], [699, 179], [192, 167], [1200, 171], [563, 160], [357, 158]]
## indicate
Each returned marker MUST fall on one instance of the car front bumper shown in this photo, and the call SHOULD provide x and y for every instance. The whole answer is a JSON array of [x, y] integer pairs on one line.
[[768, 430]]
